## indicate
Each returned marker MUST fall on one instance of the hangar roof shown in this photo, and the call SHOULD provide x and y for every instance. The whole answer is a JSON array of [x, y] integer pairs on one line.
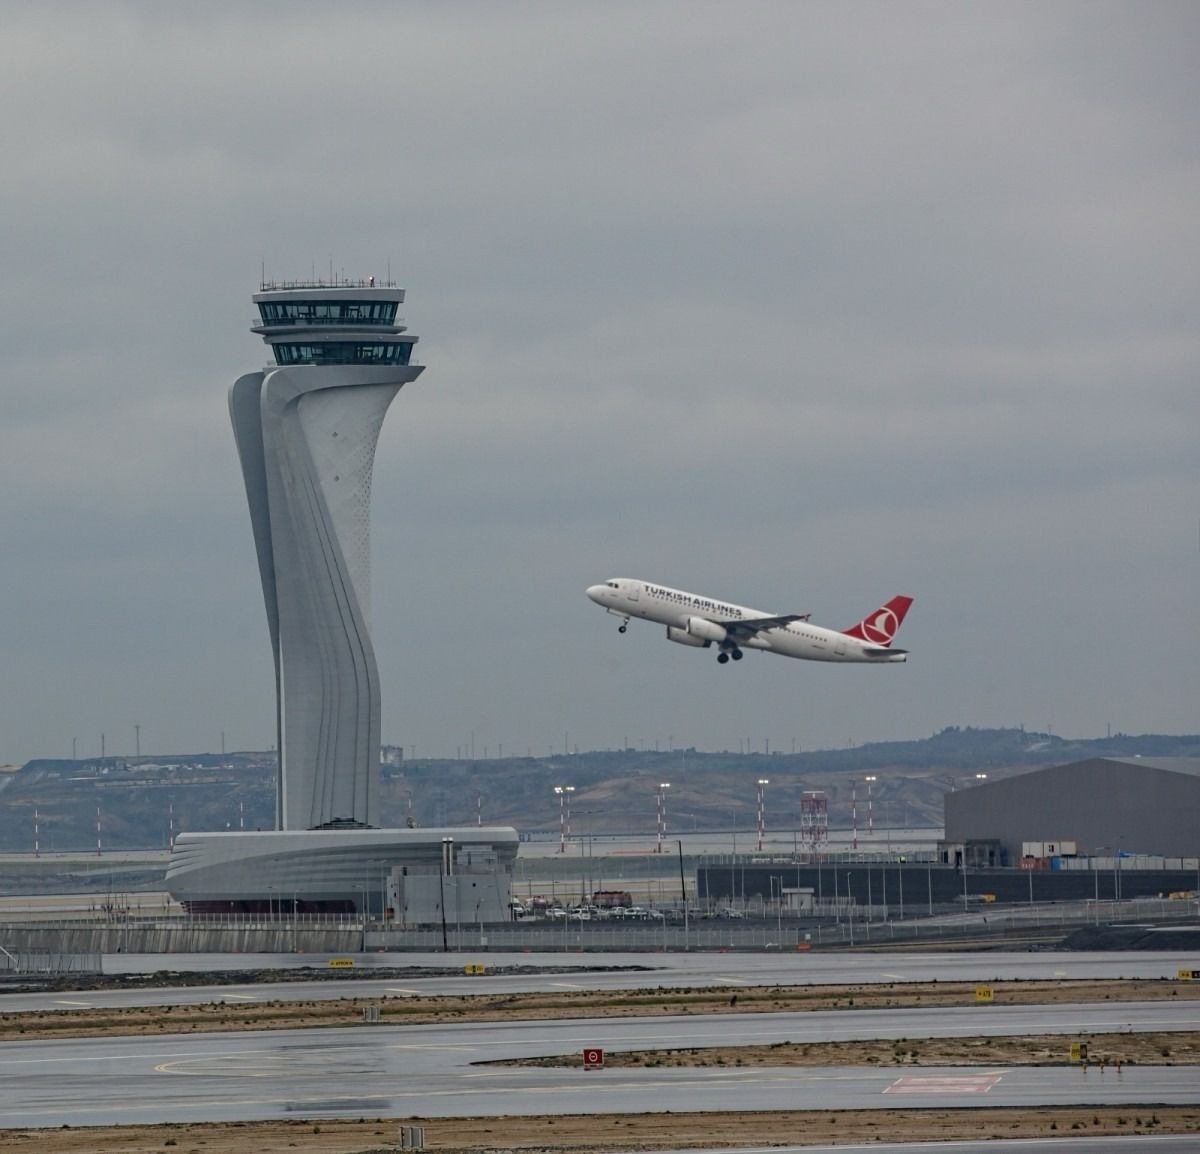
[[1189, 765]]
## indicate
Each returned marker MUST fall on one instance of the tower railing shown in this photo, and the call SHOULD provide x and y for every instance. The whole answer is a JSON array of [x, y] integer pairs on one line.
[[270, 286]]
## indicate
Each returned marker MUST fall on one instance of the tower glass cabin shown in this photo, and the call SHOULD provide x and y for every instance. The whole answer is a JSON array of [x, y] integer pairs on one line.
[[306, 430]]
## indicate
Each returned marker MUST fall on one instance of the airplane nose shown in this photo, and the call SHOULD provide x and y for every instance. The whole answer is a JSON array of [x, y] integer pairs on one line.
[[596, 593]]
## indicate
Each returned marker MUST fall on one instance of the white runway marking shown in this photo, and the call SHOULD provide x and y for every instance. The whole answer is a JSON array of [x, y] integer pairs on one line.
[[399, 990], [238, 998], [944, 1083], [732, 981], [64, 1002], [569, 985]]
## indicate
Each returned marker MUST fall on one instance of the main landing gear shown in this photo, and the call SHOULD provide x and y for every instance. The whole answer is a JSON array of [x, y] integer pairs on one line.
[[726, 654]]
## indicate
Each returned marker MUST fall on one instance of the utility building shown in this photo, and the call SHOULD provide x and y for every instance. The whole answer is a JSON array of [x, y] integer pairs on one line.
[[1104, 806]]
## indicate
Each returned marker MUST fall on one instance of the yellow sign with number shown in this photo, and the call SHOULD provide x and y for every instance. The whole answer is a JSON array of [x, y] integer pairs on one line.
[[1188, 975], [984, 994], [474, 968], [341, 962]]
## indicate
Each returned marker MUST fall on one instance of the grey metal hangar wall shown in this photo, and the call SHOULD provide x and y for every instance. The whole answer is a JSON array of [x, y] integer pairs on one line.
[[1105, 805]]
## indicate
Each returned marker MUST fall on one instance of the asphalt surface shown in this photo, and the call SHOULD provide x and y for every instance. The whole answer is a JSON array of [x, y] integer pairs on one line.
[[433, 1071], [645, 971], [1122, 1144]]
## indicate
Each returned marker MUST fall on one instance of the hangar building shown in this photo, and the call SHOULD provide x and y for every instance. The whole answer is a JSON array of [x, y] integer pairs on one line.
[[1104, 805]]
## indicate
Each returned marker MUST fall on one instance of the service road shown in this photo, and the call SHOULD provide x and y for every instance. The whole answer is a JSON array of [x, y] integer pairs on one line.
[[653, 971]]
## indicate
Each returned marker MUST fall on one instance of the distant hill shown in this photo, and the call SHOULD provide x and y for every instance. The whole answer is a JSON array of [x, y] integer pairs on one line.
[[142, 800]]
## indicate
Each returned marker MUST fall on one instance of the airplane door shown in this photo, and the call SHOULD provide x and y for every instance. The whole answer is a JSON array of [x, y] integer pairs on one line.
[[839, 645], [635, 591]]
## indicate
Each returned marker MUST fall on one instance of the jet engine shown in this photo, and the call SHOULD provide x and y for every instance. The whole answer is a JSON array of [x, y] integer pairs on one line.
[[708, 630], [683, 637]]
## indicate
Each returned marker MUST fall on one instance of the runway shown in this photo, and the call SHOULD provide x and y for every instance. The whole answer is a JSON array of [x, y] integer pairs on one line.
[[430, 1071], [645, 971]]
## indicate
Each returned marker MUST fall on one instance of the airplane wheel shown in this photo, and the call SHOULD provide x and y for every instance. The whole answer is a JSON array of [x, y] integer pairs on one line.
[[722, 658], [622, 628], [737, 655]]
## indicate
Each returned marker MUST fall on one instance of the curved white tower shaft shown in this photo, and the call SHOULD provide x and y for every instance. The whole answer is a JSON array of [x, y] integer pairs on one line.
[[306, 430]]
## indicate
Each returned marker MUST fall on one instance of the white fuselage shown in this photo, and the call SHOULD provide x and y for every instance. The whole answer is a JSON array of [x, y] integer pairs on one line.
[[675, 608]]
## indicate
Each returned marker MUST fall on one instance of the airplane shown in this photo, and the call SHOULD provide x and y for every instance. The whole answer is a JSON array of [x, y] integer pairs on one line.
[[703, 622]]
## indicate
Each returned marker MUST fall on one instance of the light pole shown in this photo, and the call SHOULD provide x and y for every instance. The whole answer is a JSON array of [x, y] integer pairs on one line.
[[564, 814], [663, 786], [854, 813], [1096, 881], [870, 779], [762, 821]]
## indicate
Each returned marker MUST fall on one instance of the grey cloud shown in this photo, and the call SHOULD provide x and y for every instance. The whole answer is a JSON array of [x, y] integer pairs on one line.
[[800, 308]]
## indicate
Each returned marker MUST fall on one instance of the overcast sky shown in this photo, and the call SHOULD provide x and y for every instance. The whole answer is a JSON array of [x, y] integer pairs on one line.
[[797, 305]]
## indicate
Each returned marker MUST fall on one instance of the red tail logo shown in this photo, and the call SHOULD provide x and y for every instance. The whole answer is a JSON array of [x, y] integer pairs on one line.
[[880, 627]]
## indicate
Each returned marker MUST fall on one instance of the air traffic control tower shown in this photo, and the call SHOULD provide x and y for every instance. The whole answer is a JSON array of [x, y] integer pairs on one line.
[[306, 429]]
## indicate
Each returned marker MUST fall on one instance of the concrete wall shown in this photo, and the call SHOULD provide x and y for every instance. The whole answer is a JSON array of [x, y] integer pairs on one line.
[[306, 439], [184, 938]]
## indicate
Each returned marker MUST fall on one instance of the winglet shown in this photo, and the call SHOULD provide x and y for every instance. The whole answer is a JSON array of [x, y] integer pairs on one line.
[[880, 626]]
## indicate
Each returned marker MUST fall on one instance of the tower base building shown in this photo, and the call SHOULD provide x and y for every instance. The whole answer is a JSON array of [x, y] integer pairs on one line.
[[404, 877]]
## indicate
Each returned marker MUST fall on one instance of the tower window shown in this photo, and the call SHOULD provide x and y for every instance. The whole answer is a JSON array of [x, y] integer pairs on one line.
[[344, 353], [327, 312]]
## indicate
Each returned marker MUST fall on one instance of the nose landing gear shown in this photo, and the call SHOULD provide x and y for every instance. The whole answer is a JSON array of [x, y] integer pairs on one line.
[[623, 626]]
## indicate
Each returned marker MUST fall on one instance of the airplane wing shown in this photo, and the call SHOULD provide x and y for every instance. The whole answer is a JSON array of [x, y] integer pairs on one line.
[[748, 627]]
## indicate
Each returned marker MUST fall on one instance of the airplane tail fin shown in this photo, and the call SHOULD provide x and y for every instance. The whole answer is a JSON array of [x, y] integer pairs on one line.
[[880, 626]]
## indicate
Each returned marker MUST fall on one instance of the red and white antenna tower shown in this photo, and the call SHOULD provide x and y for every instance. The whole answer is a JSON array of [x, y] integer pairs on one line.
[[814, 819]]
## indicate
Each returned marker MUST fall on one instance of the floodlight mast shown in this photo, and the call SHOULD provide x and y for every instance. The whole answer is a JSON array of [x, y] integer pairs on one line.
[[564, 814], [762, 821]]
